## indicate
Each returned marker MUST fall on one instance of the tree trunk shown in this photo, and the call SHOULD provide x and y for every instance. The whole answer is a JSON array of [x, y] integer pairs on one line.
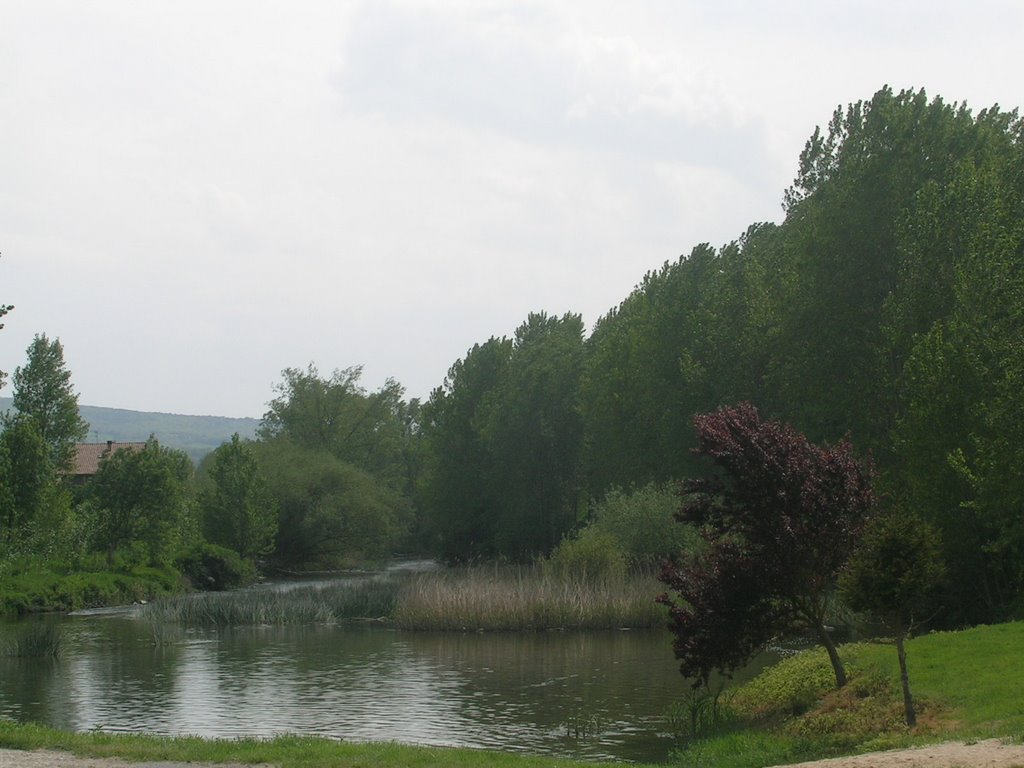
[[908, 700], [833, 655]]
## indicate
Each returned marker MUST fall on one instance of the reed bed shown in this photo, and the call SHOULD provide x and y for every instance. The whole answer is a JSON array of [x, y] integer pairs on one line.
[[37, 641], [466, 599], [371, 599], [524, 598]]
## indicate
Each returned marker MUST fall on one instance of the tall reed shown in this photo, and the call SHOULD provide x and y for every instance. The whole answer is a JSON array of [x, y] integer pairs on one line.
[[371, 599], [37, 640], [478, 598], [524, 598]]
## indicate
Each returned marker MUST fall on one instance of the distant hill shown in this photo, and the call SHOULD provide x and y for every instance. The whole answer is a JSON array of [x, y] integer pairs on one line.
[[196, 435]]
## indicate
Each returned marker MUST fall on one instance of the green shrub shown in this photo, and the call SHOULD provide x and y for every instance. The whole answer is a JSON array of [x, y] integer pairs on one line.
[[592, 556], [209, 567], [43, 589], [791, 687], [642, 521]]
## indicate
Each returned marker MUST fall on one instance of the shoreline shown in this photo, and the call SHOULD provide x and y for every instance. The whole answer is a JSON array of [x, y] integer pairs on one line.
[[987, 753]]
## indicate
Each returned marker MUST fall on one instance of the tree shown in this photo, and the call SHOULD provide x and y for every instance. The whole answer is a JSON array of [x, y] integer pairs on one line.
[[42, 390], [958, 442], [337, 415], [142, 496], [328, 509], [503, 436], [238, 511], [895, 574], [457, 486], [635, 399], [779, 519], [532, 429], [25, 474], [640, 521]]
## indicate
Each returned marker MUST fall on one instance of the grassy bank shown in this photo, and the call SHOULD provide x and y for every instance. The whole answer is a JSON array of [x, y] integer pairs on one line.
[[284, 751], [471, 599], [967, 685], [38, 589]]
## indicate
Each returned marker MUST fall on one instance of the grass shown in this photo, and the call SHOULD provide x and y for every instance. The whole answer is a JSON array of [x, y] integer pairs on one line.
[[524, 598], [966, 686], [37, 641], [370, 599], [473, 599], [42, 589], [283, 751]]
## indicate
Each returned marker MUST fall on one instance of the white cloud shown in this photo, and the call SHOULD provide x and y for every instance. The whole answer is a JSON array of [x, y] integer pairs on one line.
[[194, 196]]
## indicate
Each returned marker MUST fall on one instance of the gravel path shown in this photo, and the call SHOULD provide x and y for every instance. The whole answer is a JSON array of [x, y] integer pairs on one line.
[[990, 753], [44, 758]]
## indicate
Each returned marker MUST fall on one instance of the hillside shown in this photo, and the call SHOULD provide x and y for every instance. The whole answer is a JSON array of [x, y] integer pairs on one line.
[[196, 435]]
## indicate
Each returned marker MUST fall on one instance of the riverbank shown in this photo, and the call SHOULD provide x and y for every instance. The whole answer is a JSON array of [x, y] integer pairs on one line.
[[966, 686], [39, 588], [121, 752], [20, 745]]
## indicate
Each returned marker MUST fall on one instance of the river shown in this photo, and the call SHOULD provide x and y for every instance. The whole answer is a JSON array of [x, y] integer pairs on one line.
[[595, 695]]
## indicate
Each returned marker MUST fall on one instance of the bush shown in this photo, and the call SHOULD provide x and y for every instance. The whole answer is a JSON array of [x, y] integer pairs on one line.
[[642, 521], [791, 687], [209, 567], [591, 556], [42, 589]]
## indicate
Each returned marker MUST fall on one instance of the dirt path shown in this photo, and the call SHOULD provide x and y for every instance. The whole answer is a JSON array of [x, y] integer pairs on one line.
[[990, 753], [983, 754], [45, 758]]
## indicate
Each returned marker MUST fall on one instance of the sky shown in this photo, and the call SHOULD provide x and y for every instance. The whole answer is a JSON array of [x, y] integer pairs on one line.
[[197, 195]]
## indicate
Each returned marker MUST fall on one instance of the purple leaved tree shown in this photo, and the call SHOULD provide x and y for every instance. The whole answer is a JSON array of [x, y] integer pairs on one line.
[[780, 517]]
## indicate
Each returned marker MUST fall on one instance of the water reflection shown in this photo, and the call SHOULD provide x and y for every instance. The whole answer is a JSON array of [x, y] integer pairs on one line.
[[502, 691]]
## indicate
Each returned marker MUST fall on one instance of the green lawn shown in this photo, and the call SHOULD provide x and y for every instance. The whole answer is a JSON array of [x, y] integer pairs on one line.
[[284, 751], [967, 685]]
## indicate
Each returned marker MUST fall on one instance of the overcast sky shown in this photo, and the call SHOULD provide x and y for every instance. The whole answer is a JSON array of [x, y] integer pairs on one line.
[[196, 195]]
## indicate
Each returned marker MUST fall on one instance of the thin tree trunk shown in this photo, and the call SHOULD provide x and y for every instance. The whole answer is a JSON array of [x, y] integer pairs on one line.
[[908, 700], [833, 655]]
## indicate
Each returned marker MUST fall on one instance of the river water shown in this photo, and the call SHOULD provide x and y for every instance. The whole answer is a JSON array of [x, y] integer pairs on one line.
[[599, 695]]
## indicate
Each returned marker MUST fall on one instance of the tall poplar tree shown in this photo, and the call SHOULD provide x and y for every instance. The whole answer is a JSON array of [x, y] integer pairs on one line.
[[42, 390], [238, 509]]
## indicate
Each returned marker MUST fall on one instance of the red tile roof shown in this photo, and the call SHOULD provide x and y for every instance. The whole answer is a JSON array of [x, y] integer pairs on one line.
[[88, 455]]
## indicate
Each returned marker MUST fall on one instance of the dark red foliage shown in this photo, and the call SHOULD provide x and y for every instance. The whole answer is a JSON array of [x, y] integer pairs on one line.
[[780, 518]]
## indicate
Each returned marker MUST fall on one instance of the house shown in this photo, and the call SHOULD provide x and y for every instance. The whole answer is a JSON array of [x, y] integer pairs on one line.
[[88, 456]]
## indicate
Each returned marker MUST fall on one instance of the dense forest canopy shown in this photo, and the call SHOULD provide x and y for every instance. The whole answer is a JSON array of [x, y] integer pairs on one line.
[[886, 308]]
